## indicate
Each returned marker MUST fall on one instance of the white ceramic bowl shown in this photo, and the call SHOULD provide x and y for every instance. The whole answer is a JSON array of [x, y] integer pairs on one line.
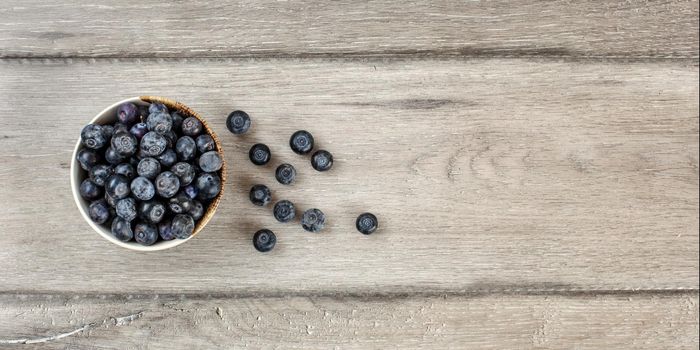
[[77, 175]]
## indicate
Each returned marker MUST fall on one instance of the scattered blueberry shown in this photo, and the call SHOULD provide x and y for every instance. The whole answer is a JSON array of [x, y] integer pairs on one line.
[[125, 144], [151, 211], [260, 195], [89, 190], [125, 169], [167, 184], [264, 240], [142, 188], [145, 233], [191, 190], [301, 142], [180, 204], [238, 122], [191, 126], [153, 144], [259, 154], [210, 162], [322, 160], [126, 209], [366, 223], [284, 211], [88, 158], [167, 158], [121, 229], [99, 174], [157, 108], [185, 148], [285, 174], [184, 171], [99, 211], [205, 143], [160, 122], [165, 230], [182, 226], [208, 185], [127, 113], [113, 157], [313, 220], [92, 136], [148, 168], [139, 130], [196, 210], [117, 186]]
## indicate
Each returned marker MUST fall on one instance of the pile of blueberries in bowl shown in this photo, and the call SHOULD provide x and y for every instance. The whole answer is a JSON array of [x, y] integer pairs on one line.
[[150, 175]]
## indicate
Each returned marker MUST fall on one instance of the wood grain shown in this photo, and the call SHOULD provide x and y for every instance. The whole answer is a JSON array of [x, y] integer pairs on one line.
[[485, 175], [208, 28], [488, 322]]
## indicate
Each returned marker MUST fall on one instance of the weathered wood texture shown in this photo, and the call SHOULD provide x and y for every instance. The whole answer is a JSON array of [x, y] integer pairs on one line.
[[149, 28], [488, 322], [485, 175]]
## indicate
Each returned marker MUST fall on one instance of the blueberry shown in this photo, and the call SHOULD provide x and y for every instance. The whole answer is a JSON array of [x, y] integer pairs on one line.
[[134, 160], [167, 158], [196, 210], [157, 108], [210, 162], [313, 220], [177, 121], [112, 157], [88, 158], [184, 171], [165, 230], [142, 188], [180, 204], [191, 191], [119, 127], [238, 122], [110, 200], [138, 130], [121, 229], [264, 240], [148, 168], [107, 131], [259, 154], [322, 160], [143, 111], [127, 113], [99, 174], [260, 195], [145, 233], [171, 137], [117, 186], [208, 185], [89, 190], [126, 209], [167, 184], [99, 211], [125, 144], [185, 148], [192, 126], [366, 223], [151, 211], [301, 142], [125, 169], [153, 144], [182, 226], [159, 122], [205, 143], [285, 174], [92, 136], [284, 211]]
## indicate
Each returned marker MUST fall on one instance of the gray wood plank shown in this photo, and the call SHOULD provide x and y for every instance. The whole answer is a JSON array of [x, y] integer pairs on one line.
[[149, 28], [488, 322], [485, 175]]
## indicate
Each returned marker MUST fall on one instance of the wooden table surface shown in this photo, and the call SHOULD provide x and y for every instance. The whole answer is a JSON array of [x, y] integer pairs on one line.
[[534, 167]]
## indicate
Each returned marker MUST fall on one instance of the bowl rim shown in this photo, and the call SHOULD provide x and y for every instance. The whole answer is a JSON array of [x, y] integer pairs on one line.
[[82, 204]]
